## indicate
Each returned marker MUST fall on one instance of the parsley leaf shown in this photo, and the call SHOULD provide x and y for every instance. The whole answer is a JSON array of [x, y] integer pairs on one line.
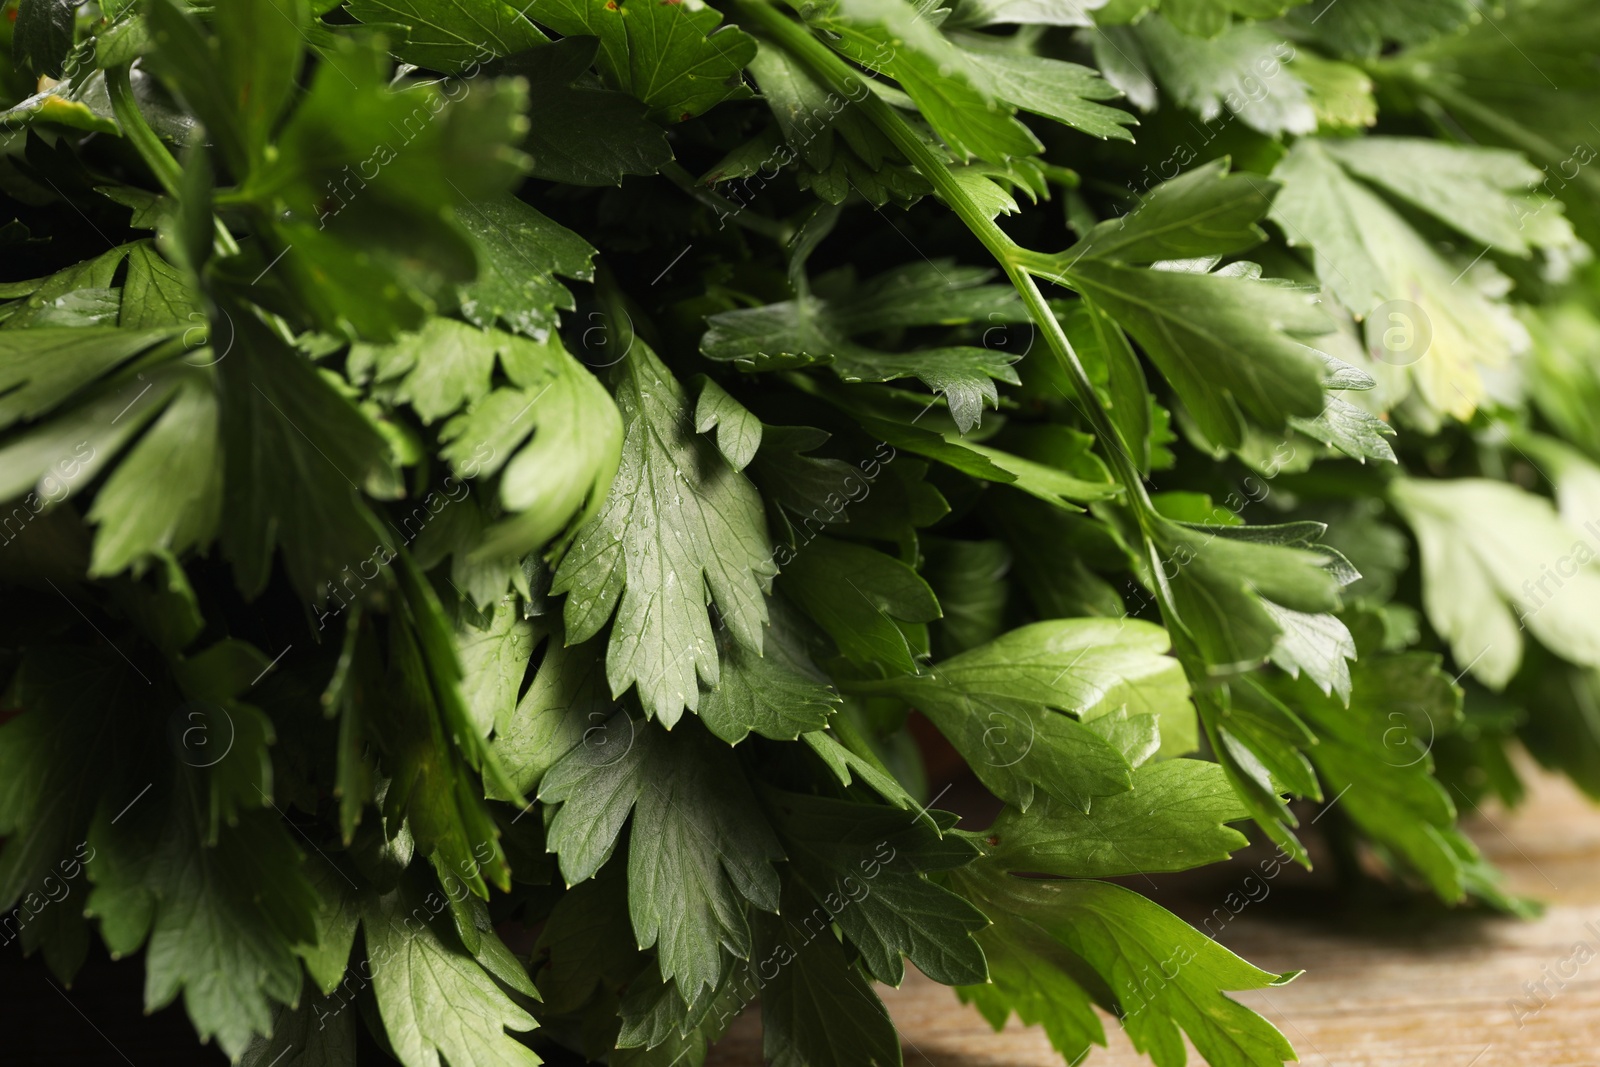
[[1175, 817], [1022, 708], [698, 851], [679, 523], [867, 866]]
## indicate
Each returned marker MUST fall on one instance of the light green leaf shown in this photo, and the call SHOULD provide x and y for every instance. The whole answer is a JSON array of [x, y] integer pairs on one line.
[[1125, 939], [1017, 707], [738, 432], [559, 477], [434, 998], [679, 522], [1175, 817], [1497, 560]]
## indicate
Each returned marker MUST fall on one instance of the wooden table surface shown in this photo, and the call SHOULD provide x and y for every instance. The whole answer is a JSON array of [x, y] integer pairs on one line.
[[1389, 982]]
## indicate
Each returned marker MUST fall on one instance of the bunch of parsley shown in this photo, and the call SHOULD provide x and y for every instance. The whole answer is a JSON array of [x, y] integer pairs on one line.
[[488, 487]]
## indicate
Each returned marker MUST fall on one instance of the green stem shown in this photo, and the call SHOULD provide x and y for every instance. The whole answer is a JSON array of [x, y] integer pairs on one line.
[[842, 79], [139, 133], [1020, 265], [773, 229], [144, 140]]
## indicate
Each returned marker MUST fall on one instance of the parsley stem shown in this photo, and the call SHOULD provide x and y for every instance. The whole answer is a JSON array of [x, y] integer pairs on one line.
[[773, 229], [168, 172], [841, 78], [139, 133], [1020, 265]]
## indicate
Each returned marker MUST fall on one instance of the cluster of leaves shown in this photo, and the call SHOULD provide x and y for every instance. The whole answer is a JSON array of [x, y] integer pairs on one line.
[[476, 582]]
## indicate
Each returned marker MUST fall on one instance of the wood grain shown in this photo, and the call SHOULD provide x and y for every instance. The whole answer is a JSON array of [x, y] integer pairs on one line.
[[1390, 980]]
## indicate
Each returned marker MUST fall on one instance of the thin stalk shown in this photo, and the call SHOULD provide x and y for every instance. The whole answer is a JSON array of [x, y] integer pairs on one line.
[[139, 133], [1019, 264], [841, 78], [772, 229], [168, 172]]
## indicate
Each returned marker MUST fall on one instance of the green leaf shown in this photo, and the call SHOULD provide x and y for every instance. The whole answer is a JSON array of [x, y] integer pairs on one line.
[[259, 44], [42, 35], [968, 579], [952, 88], [1225, 343], [1362, 27], [779, 694], [453, 35], [818, 1010], [677, 59], [1100, 342], [1245, 70], [1317, 645], [1354, 431], [43, 366], [225, 926], [296, 456], [338, 913], [1375, 755], [838, 151], [587, 944], [566, 705], [1207, 18], [1019, 707], [302, 1038], [57, 757], [699, 849], [356, 198], [1484, 193], [865, 866], [1224, 340], [437, 1001], [820, 329], [585, 135], [1444, 333], [494, 656], [1175, 817], [180, 451], [429, 741], [678, 523], [738, 432], [1229, 584], [519, 254], [1061, 91], [1204, 212], [1497, 560], [155, 293], [549, 482], [1163, 975], [847, 765], [1033, 976], [868, 602]]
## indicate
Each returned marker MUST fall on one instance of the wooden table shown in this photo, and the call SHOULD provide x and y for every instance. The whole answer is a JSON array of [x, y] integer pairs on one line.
[[1389, 982]]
